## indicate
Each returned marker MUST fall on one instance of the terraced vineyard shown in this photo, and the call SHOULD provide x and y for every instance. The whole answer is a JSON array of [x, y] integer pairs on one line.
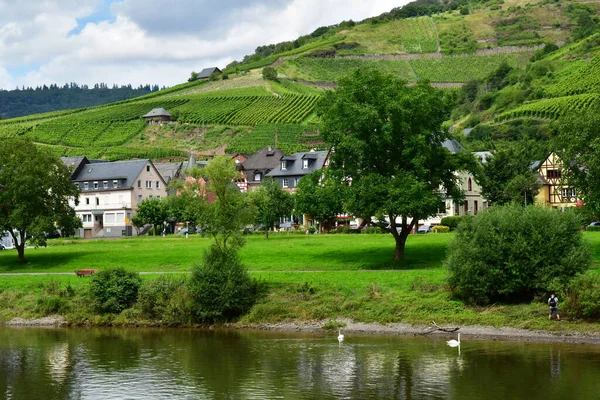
[[332, 69], [418, 35], [585, 79], [464, 68], [290, 138], [552, 108]]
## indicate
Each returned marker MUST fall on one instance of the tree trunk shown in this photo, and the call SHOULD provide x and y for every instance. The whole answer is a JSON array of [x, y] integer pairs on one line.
[[267, 232], [21, 251], [400, 237]]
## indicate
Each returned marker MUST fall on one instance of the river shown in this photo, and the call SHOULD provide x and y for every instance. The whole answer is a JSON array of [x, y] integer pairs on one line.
[[103, 363]]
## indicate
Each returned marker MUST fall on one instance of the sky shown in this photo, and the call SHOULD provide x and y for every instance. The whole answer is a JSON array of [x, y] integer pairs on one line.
[[150, 41]]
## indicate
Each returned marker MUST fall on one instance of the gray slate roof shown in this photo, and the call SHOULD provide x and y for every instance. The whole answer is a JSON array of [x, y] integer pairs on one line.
[[168, 171], [294, 168], [157, 112], [453, 146], [127, 170], [205, 73], [263, 159]]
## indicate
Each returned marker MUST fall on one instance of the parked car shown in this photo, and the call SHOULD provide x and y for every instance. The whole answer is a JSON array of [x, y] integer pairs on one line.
[[424, 229], [595, 223]]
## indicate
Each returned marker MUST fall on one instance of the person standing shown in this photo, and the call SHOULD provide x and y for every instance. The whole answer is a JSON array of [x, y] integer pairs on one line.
[[553, 304]]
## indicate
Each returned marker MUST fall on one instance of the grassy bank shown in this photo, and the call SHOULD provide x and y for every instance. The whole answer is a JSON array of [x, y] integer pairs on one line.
[[307, 278]]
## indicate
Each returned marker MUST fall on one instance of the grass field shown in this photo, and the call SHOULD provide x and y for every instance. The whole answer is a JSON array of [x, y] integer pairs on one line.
[[317, 277]]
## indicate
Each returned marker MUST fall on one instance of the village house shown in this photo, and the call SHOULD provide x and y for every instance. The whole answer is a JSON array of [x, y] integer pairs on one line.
[[291, 169], [110, 193], [206, 72], [157, 116], [555, 191], [256, 167]]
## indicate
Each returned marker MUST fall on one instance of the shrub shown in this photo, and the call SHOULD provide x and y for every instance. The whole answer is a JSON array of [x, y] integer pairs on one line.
[[440, 229], [464, 11], [269, 73], [512, 252], [164, 298], [312, 229], [451, 222], [114, 290], [220, 288], [372, 230], [592, 229], [584, 296]]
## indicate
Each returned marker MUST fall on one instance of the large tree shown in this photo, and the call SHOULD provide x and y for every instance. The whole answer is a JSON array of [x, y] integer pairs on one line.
[[506, 176], [35, 188], [320, 197], [387, 141], [271, 202], [578, 146]]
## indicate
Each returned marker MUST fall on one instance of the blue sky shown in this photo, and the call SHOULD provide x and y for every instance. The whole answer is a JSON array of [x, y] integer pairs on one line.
[[151, 41]]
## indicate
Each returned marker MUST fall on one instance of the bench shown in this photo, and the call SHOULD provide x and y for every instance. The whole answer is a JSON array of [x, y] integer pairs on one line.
[[83, 272]]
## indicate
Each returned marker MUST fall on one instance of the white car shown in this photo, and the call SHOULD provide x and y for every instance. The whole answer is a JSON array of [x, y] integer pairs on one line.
[[424, 229]]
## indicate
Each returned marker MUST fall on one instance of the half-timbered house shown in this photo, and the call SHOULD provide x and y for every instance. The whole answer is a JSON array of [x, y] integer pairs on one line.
[[555, 190]]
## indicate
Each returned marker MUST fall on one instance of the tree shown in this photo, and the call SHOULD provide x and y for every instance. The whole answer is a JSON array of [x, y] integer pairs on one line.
[[387, 141], [271, 203], [578, 146], [320, 197], [270, 73], [152, 211], [507, 177], [35, 189]]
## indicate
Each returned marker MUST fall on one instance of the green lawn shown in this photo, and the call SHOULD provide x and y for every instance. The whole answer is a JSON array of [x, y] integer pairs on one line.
[[280, 252]]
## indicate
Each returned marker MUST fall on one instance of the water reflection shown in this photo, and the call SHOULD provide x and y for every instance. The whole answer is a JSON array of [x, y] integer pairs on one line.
[[194, 364]]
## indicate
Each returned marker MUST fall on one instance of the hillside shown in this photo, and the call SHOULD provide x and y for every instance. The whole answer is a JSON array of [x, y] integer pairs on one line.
[[516, 63]]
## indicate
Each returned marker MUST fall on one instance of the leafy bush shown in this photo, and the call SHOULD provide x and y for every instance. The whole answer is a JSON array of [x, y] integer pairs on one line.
[[220, 288], [584, 296], [114, 290], [372, 230], [164, 299], [451, 222], [269, 73], [440, 229], [592, 228], [312, 229], [511, 253]]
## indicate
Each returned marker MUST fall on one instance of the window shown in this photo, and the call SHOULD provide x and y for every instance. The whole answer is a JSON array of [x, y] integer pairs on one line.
[[86, 218], [158, 197], [115, 184], [86, 185], [257, 176], [466, 207], [97, 201], [569, 193], [105, 184], [139, 198], [158, 184], [304, 164], [285, 182], [283, 165], [120, 217], [150, 197], [147, 168], [148, 184], [475, 207], [87, 200], [139, 184], [470, 185], [109, 218], [95, 185], [553, 173]]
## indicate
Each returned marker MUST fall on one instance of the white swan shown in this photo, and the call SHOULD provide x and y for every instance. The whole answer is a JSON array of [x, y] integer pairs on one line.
[[454, 343], [340, 336]]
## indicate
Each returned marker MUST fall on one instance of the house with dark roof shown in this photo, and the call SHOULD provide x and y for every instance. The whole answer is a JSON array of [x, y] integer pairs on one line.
[[292, 168], [206, 72], [157, 116], [257, 166], [554, 190], [110, 193]]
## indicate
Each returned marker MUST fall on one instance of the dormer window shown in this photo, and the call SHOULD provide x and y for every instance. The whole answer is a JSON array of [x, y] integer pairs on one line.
[[105, 184], [257, 176], [304, 164], [283, 165], [86, 185], [115, 184], [95, 185], [147, 168]]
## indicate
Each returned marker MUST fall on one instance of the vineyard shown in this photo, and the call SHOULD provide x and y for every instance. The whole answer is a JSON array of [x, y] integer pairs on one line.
[[552, 108], [585, 79], [418, 35], [464, 68], [332, 69], [290, 138]]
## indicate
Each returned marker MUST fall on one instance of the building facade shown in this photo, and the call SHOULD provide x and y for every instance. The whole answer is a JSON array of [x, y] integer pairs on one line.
[[554, 191]]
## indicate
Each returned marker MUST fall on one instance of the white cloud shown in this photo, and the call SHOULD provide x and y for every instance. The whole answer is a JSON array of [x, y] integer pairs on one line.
[[149, 42]]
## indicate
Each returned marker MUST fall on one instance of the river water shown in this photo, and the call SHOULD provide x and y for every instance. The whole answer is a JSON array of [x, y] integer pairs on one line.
[[38, 363]]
